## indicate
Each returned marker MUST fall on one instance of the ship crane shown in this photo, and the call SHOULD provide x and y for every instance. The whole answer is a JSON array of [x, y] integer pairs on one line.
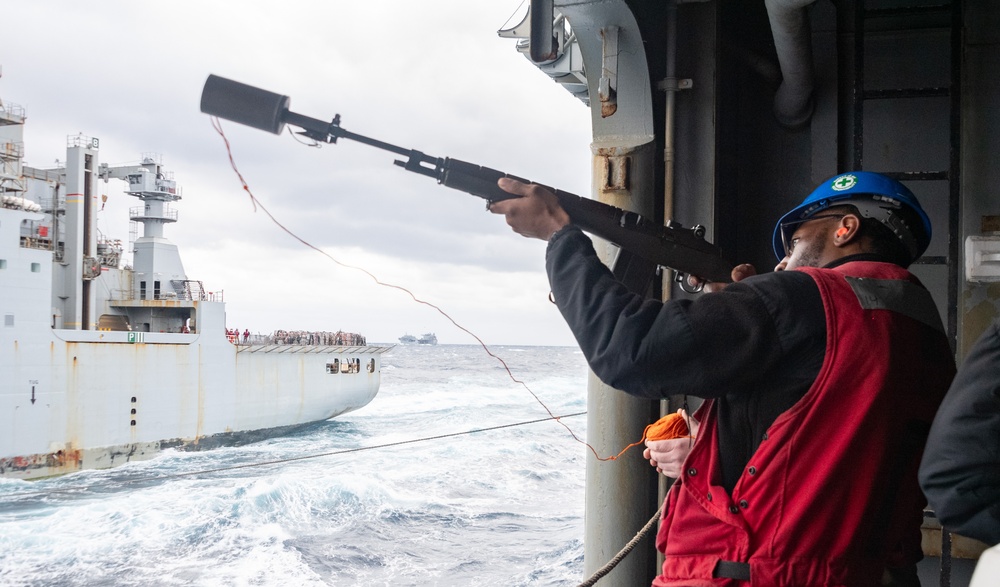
[[159, 272], [151, 184]]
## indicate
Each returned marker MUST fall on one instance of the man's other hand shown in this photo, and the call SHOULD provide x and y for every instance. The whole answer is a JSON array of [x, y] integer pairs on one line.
[[739, 273], [668, 455]]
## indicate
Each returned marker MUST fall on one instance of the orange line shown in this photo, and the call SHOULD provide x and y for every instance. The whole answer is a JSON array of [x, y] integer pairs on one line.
[[217, 125]]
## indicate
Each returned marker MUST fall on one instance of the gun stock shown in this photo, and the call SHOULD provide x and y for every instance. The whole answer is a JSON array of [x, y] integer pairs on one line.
[[643, 244], [683, 250]]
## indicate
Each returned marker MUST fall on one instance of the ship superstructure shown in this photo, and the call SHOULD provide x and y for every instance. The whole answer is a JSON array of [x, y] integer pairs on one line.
[[105, 363]]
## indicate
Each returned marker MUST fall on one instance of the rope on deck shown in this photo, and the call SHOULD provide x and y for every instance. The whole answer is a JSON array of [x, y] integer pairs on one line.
[[623, 552]]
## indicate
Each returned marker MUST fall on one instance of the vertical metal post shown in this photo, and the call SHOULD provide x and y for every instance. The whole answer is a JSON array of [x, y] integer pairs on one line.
[[859, 85], [954, 219], [669, 114], [955, 172], [620, 494]]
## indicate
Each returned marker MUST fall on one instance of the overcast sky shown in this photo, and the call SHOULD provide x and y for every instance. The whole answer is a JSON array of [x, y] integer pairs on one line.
[[433, 76]]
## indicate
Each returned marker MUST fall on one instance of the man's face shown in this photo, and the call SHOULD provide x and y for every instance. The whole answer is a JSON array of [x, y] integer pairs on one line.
[[808, 244]]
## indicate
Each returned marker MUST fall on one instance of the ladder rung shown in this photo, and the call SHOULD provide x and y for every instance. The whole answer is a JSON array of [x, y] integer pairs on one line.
[[909, 19], [916, 175], [907, 10], [906, 93]]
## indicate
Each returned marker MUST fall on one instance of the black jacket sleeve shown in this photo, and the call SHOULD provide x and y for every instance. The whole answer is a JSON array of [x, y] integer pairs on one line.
[[960, 470], [707, 347]]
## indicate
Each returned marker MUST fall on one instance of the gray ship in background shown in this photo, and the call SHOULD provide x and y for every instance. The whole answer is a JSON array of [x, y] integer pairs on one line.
[[104, 363], [428, 338]]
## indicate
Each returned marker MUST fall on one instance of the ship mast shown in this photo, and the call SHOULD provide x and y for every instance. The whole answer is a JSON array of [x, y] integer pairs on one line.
[[156, 261]]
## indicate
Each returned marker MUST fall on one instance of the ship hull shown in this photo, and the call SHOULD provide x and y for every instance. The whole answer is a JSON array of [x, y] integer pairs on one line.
[[92, 400]]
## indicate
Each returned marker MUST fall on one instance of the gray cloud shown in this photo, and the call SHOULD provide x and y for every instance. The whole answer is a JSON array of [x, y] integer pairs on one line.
[[430, 76]]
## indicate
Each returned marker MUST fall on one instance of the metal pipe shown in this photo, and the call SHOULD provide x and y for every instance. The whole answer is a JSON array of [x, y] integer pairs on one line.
[[669, 116], [793, 102]]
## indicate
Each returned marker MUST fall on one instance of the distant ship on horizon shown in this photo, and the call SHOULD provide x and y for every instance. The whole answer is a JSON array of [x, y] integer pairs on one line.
[[428, 338]]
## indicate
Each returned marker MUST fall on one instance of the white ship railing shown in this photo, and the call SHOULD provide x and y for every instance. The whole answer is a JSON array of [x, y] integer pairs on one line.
[[82, 140], [53, 204], [31, 242], [323, 338], [127, 295], [32, 235], [11, 150], [299, 338], [295, 349], [11, 113], [139, 213]]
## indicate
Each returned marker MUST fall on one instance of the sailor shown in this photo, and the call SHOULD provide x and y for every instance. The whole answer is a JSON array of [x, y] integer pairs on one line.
[[821, 382], [960, 465]]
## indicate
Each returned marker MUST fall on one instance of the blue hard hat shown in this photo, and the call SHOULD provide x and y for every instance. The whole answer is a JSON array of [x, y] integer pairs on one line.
[[875, 196]]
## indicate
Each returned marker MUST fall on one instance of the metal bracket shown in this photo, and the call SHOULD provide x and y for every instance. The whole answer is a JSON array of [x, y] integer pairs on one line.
[[617, 173], [607, 86], [673, 84], [91, 268]]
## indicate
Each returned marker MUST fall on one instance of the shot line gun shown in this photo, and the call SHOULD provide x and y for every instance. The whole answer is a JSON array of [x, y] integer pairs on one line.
[[643, 245]]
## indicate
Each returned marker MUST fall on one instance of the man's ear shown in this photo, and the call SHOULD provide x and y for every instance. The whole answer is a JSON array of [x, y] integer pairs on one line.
[[847, 230]]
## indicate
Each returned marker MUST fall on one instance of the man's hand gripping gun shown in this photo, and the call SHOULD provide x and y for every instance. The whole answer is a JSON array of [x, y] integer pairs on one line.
[[643, 245]]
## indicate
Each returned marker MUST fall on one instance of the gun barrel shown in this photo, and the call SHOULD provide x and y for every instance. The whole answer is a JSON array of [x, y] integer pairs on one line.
[[681, 250], [244, 104]]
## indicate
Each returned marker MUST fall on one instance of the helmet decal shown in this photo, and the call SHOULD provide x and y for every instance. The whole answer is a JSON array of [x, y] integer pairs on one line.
[[843, 182]]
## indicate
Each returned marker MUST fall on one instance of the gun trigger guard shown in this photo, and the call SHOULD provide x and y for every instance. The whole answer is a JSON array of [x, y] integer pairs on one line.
[[681, 279], [552, 297]]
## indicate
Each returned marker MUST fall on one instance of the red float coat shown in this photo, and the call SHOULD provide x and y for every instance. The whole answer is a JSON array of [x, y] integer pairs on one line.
[[830, 497]]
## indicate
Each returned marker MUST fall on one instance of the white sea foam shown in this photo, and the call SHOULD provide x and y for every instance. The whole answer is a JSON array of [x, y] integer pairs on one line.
[[497, 507]]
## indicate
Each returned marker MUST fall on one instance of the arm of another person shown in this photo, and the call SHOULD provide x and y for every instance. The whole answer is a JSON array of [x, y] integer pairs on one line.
[[960, 470]]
